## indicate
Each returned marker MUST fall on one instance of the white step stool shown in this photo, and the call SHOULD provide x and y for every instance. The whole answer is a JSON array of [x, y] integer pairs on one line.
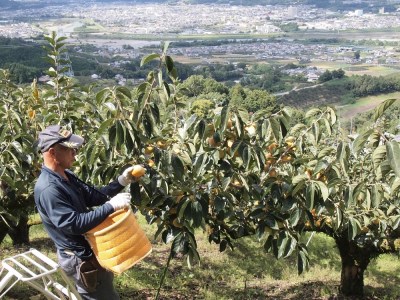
[[37, 270]]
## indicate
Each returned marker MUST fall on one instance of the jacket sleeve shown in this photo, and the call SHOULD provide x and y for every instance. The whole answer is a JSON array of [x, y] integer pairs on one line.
[[65, 215], [94, 196]]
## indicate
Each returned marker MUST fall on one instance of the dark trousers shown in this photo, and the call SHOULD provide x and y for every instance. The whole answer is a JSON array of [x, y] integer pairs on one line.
[[104, 290]]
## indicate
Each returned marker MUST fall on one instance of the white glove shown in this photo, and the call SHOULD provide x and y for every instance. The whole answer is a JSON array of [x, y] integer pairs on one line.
[[126, 177], [120, 201]]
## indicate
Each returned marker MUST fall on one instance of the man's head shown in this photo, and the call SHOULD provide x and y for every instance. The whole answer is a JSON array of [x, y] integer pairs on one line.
[[59, 147], [55, 134]]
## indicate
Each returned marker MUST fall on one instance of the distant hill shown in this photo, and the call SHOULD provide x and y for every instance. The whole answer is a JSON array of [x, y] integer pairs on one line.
[[370, 5]]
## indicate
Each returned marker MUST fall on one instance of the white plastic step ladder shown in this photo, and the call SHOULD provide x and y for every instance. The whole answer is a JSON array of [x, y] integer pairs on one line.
[[37, 270]]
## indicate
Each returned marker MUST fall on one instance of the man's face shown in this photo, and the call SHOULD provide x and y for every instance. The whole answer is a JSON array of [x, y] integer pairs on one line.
[[64, 156]]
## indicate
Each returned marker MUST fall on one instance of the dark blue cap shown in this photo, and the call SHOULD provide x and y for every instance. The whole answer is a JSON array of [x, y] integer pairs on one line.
[[55, 134]]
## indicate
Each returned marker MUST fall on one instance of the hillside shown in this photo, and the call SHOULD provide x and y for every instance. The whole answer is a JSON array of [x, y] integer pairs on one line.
[[331, 92]]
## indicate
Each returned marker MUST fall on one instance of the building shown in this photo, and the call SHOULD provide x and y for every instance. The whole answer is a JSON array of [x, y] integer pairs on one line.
[[293, 11], [358, 12]]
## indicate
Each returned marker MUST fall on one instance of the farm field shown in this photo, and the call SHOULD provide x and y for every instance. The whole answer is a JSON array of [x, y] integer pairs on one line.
[[247, 272], [389, 34], [351, 69]]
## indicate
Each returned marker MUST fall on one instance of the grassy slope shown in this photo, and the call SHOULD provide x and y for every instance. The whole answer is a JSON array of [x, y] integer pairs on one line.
[[364, 104], [245, 273]]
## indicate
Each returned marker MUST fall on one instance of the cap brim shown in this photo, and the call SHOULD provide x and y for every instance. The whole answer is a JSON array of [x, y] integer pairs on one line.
[[74, 141]]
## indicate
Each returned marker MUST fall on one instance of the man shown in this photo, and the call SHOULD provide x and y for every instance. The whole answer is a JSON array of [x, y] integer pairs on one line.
[[64, 202]]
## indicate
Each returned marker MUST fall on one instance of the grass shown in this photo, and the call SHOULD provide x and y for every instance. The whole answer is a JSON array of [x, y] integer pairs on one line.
[[346, 112], [247, 272]]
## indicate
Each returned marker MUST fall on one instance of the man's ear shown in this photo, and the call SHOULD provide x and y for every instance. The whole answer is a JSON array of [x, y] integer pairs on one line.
[[51, 151]]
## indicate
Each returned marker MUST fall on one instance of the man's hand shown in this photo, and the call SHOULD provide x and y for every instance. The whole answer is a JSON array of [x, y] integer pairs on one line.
[[128, 177], [120, 201]]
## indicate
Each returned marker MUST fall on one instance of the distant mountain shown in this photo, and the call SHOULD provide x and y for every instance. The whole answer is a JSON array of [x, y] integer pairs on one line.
[[332, 4], [318, 3]]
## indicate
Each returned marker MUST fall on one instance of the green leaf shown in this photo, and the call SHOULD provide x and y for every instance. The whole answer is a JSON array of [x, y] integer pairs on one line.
[[51, 118], [197, 213], [359, 189], [393, 151], [295, 217], [282, 241], [310, 195], [378, 155], [126, 92], [169, 63], [395, 222], [312, 113], [224, 116], [341, 153], [360, 141], [17, 146], [353, 228], [182, 209], [276, 128], [323, 189], [120, 131], [149, 58], [246, 156], [110, 106], [338, 218], [320, 166], [302, 261], [378, 112], [348, 196], [326, 151], [199, 163], [102, 95], [178, 167], [167, 90], [170, 234], [395, 184], [376, 195], [316, 132], [147, 124], [332, 114], [201, 128], [270, 221], [155, 112], [268, 244], [193, 256], [298, 187], [225, 183], [165, 46], [299, 179]]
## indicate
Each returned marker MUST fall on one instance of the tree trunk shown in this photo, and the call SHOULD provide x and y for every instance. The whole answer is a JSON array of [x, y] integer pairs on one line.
[[352, 278], [3, 231], [20, 233], [354, 262]]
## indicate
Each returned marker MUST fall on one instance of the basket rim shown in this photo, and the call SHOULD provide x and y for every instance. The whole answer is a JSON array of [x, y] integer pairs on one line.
[[127, 213]]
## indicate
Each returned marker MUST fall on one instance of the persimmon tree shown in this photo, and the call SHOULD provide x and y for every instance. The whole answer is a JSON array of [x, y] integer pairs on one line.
[[237, 175], [17, 162], [231, 173], [26, 110]]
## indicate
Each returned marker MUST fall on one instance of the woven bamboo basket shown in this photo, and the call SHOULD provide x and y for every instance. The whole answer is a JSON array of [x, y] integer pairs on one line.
[[119, 242]]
